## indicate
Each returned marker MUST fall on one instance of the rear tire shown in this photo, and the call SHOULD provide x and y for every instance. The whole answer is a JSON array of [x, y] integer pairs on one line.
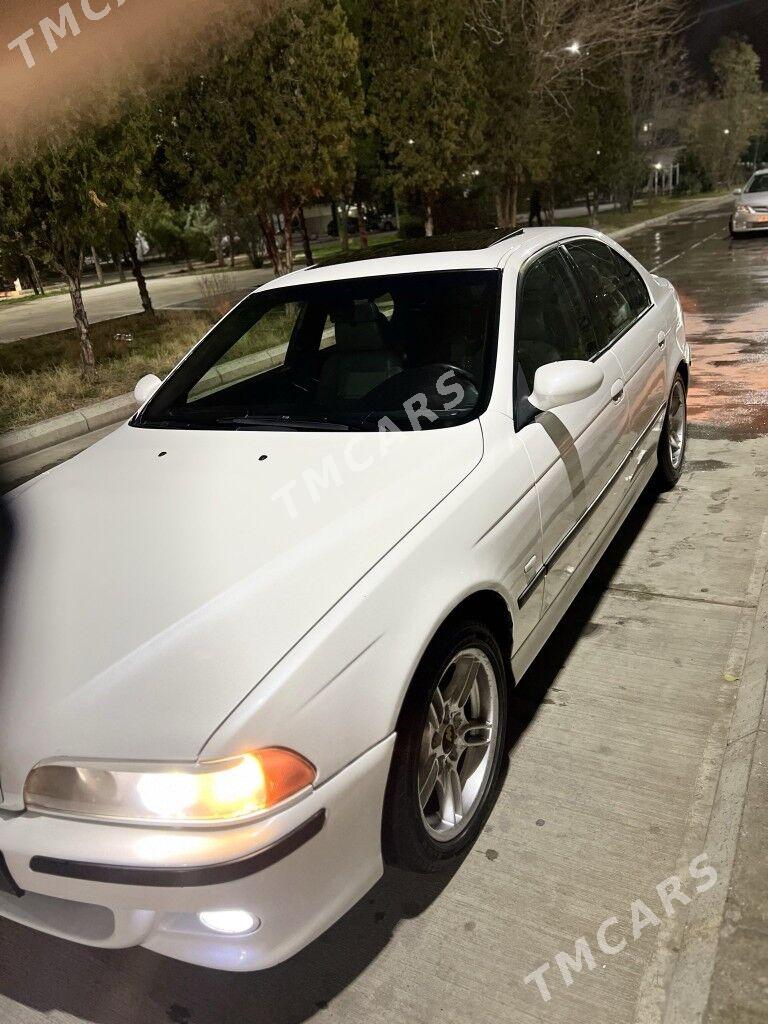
[[446, 765], [674, 436]]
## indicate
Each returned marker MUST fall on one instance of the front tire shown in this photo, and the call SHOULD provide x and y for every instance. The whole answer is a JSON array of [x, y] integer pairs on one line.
[[674, 436], [446, 765]]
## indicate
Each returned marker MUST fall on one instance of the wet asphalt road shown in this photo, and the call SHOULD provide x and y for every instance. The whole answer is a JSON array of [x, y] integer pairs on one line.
[[723, 286]]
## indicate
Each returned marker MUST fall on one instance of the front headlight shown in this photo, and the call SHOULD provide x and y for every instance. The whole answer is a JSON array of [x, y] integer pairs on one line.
[[216, 793], [743, 209]]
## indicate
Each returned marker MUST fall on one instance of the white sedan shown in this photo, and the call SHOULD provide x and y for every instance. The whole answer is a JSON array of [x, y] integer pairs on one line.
[[261, 638], [750, 208]]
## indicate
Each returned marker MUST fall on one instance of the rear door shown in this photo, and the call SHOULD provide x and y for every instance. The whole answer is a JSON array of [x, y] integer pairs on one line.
[[577, 450], [629, 324]]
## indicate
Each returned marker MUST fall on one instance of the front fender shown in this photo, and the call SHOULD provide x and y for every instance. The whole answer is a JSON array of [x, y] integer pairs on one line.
[[339, 692]]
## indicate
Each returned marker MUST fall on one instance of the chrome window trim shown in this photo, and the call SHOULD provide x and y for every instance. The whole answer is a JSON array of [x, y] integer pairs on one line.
[[626, 327]]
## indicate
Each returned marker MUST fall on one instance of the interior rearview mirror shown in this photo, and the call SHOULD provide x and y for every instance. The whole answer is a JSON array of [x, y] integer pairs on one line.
[[570, 380], [146, 387]]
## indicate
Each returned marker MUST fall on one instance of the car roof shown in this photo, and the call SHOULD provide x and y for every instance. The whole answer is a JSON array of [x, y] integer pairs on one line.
[[477, 250]]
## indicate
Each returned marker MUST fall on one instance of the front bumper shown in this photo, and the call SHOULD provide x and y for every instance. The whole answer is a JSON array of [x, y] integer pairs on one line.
[[750, 222], [114, 886]]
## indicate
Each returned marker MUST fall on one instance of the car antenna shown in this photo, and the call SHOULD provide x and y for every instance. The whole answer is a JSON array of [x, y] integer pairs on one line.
[[504, 238]]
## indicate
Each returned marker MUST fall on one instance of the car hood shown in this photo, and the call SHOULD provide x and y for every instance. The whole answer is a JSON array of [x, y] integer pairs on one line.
[[752, 199], [160, 575]]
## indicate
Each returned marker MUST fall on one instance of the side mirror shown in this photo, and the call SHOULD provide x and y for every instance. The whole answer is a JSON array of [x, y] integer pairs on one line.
[[561, 383], [737, 191], [146, 387]]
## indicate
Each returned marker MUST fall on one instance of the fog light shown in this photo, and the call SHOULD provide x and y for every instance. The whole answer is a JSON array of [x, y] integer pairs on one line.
[[229, 922]]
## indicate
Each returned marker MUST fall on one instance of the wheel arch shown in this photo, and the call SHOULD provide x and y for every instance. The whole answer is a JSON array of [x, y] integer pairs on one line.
[[489, 607]]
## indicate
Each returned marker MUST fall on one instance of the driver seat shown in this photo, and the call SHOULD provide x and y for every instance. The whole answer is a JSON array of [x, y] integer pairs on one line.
[[360, 359]]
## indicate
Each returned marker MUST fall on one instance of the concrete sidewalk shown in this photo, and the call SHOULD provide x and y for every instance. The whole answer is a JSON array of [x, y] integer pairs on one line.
[[738, 991]]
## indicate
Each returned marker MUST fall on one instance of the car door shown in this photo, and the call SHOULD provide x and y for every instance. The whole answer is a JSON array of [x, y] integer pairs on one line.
[[627, 322], [576, 451]]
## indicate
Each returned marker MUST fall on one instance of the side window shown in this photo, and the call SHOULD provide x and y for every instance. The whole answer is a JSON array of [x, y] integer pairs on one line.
[[632, 285], [616, 291], [553, 323]]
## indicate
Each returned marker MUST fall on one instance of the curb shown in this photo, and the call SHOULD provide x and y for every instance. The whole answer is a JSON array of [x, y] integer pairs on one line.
[[29, 440], [702, 204], [19, 444], [693, 988]]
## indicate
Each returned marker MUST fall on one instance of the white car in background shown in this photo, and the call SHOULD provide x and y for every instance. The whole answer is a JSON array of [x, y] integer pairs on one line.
[[750, 210], [262, 637]]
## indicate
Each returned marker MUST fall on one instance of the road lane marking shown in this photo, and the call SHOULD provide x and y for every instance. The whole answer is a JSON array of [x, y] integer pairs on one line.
[[695, 245]]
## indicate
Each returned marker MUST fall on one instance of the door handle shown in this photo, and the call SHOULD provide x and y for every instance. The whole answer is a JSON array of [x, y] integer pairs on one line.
[[617, 390], [662, 340]]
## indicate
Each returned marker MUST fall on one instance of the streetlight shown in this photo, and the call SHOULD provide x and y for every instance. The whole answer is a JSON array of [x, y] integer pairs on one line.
[[726, 131], [574, 48]]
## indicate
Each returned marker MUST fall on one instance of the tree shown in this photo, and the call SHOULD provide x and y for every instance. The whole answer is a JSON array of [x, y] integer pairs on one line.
[[598, 154], [121, 186], [723, 120], [269, 126], [656, 85], [311, 110], [537, 56], [426, 95], [50, 201]]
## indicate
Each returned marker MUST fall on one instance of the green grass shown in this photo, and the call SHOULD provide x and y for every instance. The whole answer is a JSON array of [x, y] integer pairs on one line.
[[42, 377]]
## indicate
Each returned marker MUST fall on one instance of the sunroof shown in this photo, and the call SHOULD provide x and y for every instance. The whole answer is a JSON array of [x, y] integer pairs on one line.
[[464, 241]]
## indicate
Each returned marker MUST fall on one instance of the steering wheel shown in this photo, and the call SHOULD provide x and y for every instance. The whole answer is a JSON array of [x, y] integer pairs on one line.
[[460, 373], [396, 390]]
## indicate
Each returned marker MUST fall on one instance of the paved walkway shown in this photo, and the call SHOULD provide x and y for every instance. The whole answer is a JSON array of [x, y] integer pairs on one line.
[[54, 312]]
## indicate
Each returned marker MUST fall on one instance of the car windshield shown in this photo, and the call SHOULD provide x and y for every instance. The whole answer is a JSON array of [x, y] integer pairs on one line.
[[404, 352], [759, 183]]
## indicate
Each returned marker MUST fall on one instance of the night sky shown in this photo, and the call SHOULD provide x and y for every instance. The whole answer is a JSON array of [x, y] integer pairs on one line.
[[716, 18]]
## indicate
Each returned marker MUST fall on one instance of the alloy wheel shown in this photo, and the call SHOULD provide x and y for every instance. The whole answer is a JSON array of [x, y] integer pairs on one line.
[[676, 424], [458, 745]]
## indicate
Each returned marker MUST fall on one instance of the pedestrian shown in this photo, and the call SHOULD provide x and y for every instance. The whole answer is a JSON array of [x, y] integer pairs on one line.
[[535, 211]]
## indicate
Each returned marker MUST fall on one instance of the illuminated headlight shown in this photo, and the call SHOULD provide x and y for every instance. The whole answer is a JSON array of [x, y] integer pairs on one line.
[[743, 209], [216, 793]]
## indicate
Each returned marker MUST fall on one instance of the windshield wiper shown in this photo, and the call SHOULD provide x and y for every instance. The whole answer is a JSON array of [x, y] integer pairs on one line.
[[278, 422]]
